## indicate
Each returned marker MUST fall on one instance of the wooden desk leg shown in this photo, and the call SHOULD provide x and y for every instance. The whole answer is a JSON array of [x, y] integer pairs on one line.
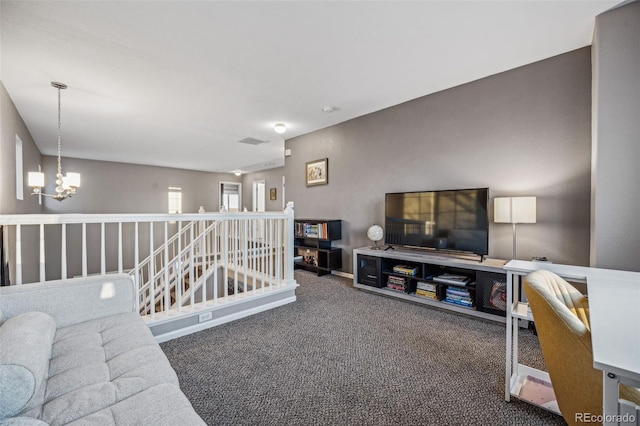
[[610, 387]]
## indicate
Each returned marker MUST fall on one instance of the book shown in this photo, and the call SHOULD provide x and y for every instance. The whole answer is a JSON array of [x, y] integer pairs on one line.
[[405, 269], [426, 286], [425, 293], [452, 279]]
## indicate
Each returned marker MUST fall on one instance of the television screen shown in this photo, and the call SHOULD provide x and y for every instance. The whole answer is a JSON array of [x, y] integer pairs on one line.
[[448, 220]]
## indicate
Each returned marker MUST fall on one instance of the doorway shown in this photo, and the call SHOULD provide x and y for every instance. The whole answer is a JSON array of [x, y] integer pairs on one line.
[[230, 196], [259, 188]]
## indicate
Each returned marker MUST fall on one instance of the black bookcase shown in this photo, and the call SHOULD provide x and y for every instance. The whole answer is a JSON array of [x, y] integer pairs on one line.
[[313, 244]]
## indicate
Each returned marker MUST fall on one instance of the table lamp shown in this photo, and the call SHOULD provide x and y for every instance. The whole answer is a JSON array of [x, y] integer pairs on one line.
[[514, 210]]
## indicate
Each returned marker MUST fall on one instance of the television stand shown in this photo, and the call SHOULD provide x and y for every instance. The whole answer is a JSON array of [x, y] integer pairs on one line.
[[421, 277], [389, 248]]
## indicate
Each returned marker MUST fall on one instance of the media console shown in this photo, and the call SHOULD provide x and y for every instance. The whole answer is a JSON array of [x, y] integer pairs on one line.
[[440, 280]]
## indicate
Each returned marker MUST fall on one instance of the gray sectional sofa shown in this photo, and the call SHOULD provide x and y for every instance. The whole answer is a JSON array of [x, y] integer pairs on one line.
[[76, 352]]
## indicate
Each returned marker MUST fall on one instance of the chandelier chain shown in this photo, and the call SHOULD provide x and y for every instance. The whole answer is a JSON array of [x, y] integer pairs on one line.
[[59, 135]]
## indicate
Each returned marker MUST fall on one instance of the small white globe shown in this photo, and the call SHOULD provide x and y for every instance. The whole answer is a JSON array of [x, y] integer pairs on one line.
[[375, 233]]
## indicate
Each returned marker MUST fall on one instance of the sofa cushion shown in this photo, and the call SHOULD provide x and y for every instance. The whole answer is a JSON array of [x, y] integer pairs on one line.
[[160, 405], [99, 363], [25, 349]]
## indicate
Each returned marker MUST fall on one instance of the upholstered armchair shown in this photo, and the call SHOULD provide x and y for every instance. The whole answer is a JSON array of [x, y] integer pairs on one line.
[[561, 315]]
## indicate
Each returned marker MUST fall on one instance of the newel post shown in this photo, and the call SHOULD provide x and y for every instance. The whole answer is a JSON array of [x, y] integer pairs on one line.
[[289, 243]]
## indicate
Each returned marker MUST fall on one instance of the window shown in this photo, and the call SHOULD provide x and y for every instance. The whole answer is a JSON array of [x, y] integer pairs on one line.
[[175, 200], [19, 175]]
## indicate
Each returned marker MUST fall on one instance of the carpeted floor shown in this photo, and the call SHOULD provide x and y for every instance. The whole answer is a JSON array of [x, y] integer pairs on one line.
[[343, 356]]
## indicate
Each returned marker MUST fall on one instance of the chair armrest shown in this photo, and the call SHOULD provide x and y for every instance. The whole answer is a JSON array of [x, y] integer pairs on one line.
[[71, 301]]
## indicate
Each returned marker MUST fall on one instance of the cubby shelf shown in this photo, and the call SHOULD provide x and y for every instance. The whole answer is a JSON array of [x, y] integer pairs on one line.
[[313, 245]]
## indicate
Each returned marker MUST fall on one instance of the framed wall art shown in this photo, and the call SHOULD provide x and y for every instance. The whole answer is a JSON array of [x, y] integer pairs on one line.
[[317, 172]]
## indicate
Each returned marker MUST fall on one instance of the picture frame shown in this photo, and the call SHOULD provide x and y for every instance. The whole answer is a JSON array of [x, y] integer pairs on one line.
[[273, 194], [317, 172]]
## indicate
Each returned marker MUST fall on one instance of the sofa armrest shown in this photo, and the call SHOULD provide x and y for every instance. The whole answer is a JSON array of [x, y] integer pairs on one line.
[[71, 301]]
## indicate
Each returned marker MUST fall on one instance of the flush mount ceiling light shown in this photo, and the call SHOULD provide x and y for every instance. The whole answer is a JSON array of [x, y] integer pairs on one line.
[[65, 185], [237, 173], [328, 109], [280, 128]]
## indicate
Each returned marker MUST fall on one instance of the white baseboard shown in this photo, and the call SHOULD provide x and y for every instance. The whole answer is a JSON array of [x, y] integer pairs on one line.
[[222, 320], [342, 274]]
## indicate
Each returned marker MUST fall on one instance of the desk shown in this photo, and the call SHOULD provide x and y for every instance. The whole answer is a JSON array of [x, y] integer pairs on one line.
[[614, 309]]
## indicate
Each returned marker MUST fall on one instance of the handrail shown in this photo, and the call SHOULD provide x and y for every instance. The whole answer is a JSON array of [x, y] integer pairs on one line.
[[52, 219]]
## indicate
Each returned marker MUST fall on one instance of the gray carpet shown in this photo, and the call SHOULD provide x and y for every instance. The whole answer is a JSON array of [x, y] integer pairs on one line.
[[343, 356]]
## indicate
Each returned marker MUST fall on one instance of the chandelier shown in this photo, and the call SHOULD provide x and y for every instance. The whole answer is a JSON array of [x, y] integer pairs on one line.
[[65, 185]]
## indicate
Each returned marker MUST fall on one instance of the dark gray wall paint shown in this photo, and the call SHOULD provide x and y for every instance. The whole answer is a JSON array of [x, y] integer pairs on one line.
[[615, 223], [522, 132]]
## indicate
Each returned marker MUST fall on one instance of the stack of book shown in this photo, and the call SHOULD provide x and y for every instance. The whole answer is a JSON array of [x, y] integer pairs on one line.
[[426, 290], [459, 296], [452, 279], [405, 269], [396, 283], [312, 230]]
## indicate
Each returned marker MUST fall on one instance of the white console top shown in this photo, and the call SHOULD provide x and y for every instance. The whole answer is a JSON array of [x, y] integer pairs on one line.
[[436, 258]]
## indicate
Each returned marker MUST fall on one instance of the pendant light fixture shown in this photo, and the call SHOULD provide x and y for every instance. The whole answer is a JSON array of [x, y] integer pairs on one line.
[[65, 185]]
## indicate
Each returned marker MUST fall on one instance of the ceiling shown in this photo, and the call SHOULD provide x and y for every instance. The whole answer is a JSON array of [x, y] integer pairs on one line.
[[179, 83]]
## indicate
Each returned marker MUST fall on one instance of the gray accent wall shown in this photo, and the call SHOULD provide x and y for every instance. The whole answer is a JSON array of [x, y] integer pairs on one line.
[[109, 187], [526, 131], [615, 222], [11, 124]]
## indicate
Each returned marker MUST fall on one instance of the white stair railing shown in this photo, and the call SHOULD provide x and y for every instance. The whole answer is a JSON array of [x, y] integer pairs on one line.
[[223, 256]]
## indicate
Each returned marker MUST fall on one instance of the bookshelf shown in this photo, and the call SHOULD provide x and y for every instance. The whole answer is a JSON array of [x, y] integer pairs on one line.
[[444, 281], [313, 241]]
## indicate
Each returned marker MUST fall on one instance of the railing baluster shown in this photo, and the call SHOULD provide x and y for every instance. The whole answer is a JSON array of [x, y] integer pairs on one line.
[[103, 255], [167, 300], [254, 245], [42, 260], [278, 251], [152, 273], [192, 262], [215, 263], [234, 244], [84, 249], [203, 259], [136, 261], [245, 256], [263, 259], [270, 253], [178, 269], [225, 258], [120, 247], [18, 254], [63, 252]]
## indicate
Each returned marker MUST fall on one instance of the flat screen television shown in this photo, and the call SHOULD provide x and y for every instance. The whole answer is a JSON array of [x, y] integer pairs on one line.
[[446, 220]]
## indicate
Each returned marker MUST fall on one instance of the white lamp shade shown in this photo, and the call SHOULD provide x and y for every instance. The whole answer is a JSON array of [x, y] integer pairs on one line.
[[502, 209], [71, 180], [36, 179], [514, 209], [523, 209]]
